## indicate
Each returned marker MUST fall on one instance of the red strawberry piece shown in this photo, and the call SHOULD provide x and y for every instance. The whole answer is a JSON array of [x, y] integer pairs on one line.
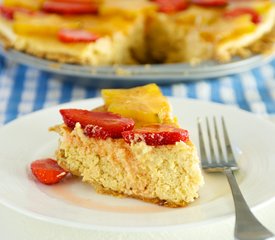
[[8, 12], [98, 132], [97, 124], [47, 171], [171, 6], [255, 17], [73, 35], [156, 135], [69, 7], [210, 3]]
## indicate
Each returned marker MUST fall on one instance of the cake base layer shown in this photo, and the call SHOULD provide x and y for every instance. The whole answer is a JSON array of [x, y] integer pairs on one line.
[[166, 175]]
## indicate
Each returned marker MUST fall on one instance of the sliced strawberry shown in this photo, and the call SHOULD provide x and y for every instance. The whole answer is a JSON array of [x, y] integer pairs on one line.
[[73, 36], [47, 171], [8, 12], [98, 132], [156, 135], [171, 6], [69, 7], [255, 17], [97, 124], [210, 3]]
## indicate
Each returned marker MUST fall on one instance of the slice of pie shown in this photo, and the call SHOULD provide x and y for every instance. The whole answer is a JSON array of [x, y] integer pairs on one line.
[[107, 32], [131, 146]]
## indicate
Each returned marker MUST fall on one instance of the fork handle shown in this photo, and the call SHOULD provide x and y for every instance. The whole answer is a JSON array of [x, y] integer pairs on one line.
[[247, 227]]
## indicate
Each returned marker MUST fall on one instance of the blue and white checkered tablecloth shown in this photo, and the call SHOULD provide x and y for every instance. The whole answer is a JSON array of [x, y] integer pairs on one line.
[[24, 90]]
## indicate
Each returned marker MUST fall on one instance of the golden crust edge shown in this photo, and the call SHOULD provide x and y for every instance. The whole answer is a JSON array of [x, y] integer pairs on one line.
[[100, 189]]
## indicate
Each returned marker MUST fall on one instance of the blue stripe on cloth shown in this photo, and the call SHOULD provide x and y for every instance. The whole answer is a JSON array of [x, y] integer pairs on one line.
[[239, 93], [16, 93], [166, 90], [90, 92], [215, 90], [3, 64], [272, 62], [66, 92], [263, 91], [41, 91], [191, 90]]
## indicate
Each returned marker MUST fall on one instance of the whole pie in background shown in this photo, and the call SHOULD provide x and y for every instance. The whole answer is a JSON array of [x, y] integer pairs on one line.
[[106, 32]]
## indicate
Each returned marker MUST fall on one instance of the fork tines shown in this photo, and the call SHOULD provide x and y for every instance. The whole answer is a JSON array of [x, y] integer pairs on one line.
[[215, 147]]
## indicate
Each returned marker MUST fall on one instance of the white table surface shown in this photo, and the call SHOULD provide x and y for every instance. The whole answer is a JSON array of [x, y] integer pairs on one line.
[[15, 226]]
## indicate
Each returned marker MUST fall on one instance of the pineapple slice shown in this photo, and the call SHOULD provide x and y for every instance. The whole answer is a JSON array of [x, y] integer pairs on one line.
[[238, 27], [144, 104], [223, 30], [127, 8], [40, 24], [189, 17], [101, 25], [29, 4], [263, 7], [50, 24]]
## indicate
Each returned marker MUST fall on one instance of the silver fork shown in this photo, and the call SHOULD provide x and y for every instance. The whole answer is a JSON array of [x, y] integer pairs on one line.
[[247, 227]]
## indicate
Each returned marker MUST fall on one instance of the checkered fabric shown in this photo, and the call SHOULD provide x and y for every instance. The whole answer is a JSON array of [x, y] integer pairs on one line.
[[24, 89]]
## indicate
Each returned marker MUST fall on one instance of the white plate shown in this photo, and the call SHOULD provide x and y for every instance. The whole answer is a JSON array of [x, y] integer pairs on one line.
[[76, 204]]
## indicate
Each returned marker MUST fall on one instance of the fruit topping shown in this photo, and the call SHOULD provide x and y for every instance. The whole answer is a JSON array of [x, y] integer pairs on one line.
[[171, 6], [126, 8], [97, 124], [255, 17], [47, 171], [156, 135], [8, 12], [69, 7], [133, 103], [210, 3], [41, 24], [75, 35], [33, 5]]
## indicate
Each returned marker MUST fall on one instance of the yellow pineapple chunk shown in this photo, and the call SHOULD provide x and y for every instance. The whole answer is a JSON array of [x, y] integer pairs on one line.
[[127, 8], [40, 24], [101, 25], [223, 30], [29, 4], [238, 27], [263, 7], [189, 17], [144, 104]]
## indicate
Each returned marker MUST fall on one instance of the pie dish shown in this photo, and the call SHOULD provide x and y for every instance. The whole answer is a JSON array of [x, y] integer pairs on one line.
[[104, 33]]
